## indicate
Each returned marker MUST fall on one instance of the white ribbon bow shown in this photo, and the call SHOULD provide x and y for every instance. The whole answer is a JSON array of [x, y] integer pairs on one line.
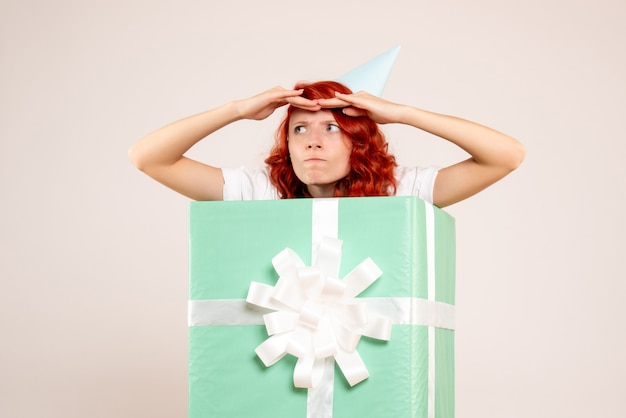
[[316, 315]]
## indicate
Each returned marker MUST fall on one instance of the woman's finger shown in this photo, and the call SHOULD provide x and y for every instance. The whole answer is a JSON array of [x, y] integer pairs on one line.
[[303, 103], [333, 103], [354, 112]]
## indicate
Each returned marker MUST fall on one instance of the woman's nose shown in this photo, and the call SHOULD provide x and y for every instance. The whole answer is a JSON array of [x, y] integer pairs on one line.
[[314, 141]]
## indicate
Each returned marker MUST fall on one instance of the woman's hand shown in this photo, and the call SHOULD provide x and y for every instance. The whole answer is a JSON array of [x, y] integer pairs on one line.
[[365, 104], [264, 104]]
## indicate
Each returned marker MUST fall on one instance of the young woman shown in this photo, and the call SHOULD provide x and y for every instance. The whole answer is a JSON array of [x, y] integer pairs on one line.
[[329, 144]]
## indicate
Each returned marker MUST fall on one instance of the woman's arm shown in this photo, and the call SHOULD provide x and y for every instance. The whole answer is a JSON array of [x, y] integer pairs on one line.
[[493, 154], [161, 153]]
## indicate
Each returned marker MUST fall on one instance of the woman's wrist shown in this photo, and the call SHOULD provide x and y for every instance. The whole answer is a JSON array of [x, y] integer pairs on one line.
[[407, 115], [235, 110]]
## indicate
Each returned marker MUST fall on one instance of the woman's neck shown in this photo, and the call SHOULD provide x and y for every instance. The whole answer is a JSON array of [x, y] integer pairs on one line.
[[321, 190]]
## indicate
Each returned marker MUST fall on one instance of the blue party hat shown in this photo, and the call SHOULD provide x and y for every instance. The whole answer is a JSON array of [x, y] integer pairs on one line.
[[371, 76]]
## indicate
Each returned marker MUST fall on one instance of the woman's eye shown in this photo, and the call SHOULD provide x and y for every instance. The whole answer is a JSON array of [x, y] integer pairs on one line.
[[299, 129], [333, 128]]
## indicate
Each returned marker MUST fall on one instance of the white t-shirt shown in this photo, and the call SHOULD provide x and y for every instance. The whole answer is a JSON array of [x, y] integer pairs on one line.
[[254, 184]]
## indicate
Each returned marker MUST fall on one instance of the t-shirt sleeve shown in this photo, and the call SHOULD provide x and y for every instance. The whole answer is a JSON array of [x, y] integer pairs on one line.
[[416, 181], [247, 184]]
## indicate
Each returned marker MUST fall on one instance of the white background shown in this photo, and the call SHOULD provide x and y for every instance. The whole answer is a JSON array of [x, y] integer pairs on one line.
[[93, 254]]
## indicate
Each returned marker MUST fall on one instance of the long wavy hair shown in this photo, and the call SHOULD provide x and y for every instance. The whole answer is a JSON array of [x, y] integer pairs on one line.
[[371, 166]]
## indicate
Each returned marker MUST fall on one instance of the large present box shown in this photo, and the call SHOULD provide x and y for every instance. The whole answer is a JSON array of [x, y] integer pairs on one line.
[[233, 244]]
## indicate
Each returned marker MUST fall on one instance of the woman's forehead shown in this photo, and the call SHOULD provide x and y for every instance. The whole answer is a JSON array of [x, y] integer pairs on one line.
[[301, 115]]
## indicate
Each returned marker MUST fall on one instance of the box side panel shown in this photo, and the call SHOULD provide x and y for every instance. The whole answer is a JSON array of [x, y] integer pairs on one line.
[[227, 379], [445, 257], [389, 231], [398, 382], [444, 372], [233, 243]]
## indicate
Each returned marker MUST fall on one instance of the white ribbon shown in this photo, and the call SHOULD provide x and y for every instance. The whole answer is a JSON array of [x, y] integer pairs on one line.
[[431, 283], [316, 315], [400, 310]]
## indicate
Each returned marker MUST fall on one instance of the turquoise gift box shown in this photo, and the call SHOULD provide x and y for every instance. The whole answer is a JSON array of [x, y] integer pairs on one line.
[[233, 243]]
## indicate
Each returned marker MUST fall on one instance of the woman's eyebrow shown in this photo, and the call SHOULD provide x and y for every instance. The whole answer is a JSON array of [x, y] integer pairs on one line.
[[308, 123], [303, 122]]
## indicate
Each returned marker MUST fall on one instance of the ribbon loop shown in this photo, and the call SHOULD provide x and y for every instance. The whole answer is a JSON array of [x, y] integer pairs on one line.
[[332, 289], [361, 277], [260, 294], [286, 261], [280, 321], [352, 367], [272, 349], [378, 327]]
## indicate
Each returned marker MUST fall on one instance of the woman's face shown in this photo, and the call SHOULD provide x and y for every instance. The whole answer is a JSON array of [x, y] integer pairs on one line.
[[319, 150]]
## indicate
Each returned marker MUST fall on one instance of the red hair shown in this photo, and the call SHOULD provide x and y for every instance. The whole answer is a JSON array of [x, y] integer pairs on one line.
[[371, 166]]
